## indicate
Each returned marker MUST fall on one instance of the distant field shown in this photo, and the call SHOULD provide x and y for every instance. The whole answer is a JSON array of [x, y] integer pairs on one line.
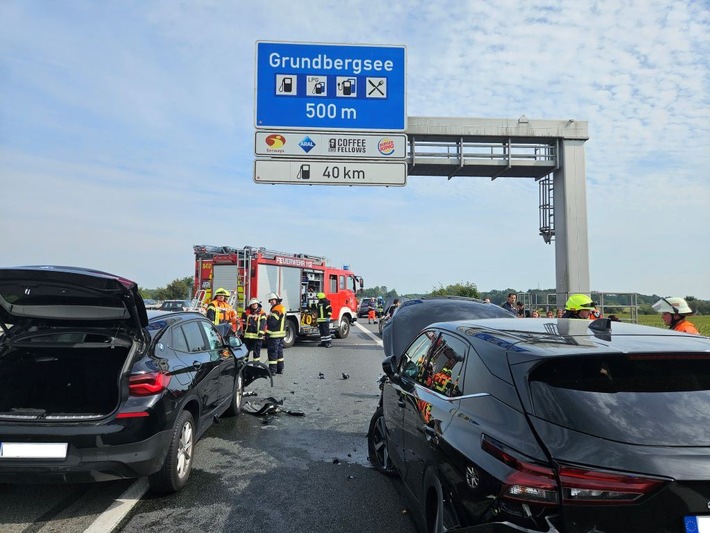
[[701, 322]]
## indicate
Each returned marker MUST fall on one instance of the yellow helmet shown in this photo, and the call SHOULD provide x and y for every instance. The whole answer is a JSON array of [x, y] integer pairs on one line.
[[320, 295], [221, 292], [579, 301]]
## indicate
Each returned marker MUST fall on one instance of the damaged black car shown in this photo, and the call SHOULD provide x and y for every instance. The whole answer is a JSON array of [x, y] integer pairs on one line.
[[547, 426], [92, 389]]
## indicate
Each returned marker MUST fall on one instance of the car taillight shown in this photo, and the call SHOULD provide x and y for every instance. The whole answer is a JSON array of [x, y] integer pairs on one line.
[[591, 486], [148, 383], [535, 483]]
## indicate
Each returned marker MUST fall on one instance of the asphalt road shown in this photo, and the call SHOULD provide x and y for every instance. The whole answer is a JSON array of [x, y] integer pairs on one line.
[[281, 473]]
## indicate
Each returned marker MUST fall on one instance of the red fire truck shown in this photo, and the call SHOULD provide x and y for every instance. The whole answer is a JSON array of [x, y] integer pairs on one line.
[[252, 272]]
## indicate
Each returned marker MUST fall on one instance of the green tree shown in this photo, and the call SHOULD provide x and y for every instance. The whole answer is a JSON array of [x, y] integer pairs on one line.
[[178, 289], [467, 289]]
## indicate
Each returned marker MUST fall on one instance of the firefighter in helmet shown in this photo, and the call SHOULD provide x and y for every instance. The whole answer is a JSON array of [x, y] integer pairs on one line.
[[579, 306], [673, 311], [275, 333], [222, 314], [254, 320], [323, 313]]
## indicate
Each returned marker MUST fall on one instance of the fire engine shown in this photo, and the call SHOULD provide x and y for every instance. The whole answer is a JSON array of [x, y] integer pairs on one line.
[[252, 272]]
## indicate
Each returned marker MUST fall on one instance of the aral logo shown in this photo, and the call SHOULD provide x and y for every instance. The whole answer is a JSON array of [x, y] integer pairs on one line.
[[307, 144], [386, 146]]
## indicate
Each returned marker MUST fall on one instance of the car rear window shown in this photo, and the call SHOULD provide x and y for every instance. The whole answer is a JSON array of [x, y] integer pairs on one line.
[[652, 399]]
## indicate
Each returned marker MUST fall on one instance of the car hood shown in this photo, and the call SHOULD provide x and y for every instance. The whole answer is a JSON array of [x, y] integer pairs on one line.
[[414, 315], [69, 296]]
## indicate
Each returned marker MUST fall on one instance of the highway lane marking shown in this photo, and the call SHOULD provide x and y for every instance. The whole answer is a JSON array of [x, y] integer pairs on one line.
[[119, 509], [369, 333]]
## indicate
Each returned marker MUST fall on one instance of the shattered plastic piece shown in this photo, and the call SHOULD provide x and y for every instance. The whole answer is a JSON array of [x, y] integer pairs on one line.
[[351, 477], [336, 461], [321, 375], [345, 376], [249, 393]]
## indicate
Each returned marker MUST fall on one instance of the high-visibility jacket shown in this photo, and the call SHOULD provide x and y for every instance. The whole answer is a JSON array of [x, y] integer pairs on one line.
[[685, 326], [325, 311], [441, 380], [254, 323], [276, 322], [221, 312]]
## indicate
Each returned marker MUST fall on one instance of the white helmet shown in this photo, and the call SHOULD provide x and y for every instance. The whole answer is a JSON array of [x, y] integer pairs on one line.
[[273, 296], [253, 301], [673, 305]]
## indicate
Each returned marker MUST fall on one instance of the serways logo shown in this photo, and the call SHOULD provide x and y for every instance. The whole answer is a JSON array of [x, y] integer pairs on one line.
[[275, 143]]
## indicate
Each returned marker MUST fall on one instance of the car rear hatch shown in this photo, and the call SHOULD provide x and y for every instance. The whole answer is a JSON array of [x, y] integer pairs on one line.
[[629, 435], [69, 334]]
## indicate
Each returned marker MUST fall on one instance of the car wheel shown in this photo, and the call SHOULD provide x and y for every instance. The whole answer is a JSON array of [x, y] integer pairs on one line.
[[176, 468], [377, 445], [343, 328], [235, 408]]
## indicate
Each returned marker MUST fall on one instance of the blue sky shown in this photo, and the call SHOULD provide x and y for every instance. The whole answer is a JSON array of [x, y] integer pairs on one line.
[[127, 136]]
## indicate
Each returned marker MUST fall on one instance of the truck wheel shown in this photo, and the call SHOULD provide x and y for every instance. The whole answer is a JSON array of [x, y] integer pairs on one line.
[[290, 337], [343, 328]]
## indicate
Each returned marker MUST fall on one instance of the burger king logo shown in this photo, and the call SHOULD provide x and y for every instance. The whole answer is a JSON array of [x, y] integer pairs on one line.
[[386, 146]]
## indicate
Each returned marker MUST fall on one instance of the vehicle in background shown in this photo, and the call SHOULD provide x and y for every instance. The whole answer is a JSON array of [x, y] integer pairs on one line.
[[548, 425], [255, 272], [175, 305], [364, 307], [94, 388], [151, 304]]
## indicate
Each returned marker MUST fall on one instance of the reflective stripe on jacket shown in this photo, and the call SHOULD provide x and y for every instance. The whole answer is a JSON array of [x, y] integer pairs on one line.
[[276, 322], [325, 311], [254, 323]]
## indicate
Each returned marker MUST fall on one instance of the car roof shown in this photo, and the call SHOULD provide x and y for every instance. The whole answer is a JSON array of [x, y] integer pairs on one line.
[[528, 338]]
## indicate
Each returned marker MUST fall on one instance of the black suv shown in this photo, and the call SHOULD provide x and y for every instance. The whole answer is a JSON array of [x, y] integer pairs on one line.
[[545, 425], [91, 389]]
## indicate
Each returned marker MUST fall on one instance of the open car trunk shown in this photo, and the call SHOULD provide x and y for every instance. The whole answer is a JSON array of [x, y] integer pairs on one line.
[[71, 376]]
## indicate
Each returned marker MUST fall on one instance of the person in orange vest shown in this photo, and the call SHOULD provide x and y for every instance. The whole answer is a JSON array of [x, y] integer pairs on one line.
[[254, 323], [673, 311], [222, 314], [275, 333], [371, 313]]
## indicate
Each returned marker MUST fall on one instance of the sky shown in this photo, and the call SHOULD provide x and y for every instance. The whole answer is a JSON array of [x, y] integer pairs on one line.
[[127, 136]]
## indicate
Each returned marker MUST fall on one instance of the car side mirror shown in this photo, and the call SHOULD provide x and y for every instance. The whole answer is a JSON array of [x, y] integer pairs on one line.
[[234, 342], [389, 366]]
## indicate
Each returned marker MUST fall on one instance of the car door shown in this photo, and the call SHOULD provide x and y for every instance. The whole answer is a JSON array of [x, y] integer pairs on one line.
[[429, 406], [394, 397], [224, 359], [206, 365]]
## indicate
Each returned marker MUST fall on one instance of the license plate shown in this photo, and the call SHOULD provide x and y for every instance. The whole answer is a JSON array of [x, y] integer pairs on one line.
[[33, 450], [697, 524]]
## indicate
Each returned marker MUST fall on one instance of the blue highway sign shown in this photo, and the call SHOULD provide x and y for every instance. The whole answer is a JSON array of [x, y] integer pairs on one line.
[[330, 87]]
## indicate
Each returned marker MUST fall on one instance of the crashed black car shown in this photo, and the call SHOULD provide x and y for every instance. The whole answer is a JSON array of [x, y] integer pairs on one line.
[[549, 425], [92, 390]]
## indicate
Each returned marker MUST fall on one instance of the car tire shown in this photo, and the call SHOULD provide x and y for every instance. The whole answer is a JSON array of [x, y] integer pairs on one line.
[[343, 328], [377, 449], [235, 407], [177, 466]]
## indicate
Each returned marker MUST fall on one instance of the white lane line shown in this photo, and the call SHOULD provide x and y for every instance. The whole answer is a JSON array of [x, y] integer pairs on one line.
[[118, 510], [369, 333]]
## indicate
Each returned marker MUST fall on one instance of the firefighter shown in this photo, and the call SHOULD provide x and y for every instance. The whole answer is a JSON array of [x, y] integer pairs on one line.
[[222, 314], [254, 320], [324, 312], [673, 311], [579, 306], [275, 333]]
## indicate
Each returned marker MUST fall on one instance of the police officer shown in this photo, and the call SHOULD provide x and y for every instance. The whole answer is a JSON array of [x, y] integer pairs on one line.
[[324, 312], [275, 333], [254, 320]]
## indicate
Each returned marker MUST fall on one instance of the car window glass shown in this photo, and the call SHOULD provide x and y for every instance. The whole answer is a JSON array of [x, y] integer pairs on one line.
[[195, 339], [446, 362], [213, 338], [178, 341], [413, 364]]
